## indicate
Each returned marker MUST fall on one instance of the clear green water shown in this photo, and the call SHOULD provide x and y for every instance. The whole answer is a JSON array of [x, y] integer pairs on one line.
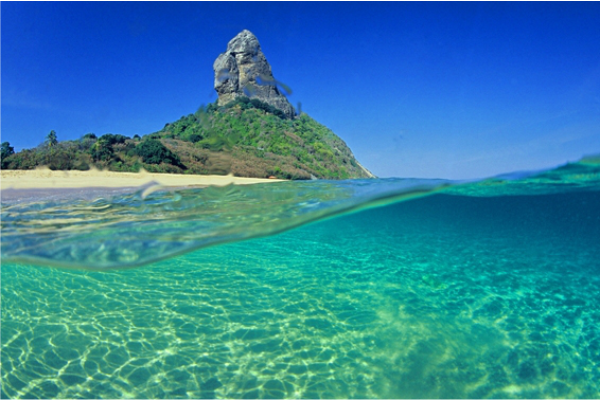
[[444, 296]]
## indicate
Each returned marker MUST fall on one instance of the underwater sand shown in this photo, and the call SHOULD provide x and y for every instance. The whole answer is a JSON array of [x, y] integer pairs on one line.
[[443, 296]]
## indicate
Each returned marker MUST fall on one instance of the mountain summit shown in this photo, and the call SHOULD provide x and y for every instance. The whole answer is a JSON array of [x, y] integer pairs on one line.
[[243, 70]]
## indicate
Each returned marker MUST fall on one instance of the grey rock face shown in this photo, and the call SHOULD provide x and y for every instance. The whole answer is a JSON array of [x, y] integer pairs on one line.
[[243, 70]]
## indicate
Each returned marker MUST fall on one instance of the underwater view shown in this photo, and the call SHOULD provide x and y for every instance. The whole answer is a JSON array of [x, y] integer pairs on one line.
[[383, 288], [300, 200]]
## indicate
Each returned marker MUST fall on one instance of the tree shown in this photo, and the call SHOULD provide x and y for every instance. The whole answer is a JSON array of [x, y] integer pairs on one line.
[[89, 136], [52, 139], [7, 150], [101, 151], [154, 152]]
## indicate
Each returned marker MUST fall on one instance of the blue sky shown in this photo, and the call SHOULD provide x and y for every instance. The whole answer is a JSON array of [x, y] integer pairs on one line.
[[429, 90]]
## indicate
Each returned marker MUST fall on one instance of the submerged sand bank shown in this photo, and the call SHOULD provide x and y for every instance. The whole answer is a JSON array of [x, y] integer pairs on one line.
[[46, 179]]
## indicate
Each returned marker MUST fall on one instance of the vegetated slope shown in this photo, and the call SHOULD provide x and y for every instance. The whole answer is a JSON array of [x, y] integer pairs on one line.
[[248, 138]]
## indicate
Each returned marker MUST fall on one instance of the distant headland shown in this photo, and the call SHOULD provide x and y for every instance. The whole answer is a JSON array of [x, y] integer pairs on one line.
[[252, 131]]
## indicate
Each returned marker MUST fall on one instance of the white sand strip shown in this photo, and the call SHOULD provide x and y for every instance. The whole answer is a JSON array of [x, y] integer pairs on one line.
[[44, 178]]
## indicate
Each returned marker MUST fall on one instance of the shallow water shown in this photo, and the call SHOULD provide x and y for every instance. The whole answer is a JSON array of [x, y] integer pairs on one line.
[[485, 290]]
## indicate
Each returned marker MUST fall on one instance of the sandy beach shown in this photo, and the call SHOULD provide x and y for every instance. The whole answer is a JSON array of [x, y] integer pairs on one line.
[[47, 179]]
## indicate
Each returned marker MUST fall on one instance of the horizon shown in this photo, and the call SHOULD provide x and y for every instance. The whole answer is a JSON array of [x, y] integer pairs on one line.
[[416, 90]]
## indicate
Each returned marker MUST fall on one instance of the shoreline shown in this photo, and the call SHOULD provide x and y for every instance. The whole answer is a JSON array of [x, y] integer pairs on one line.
[[44, 178]]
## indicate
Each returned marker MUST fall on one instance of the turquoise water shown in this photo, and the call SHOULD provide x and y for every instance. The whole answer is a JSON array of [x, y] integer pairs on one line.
[[486, 289]]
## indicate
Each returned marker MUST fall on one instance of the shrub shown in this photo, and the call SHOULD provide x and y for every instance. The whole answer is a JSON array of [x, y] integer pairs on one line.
[[212, 107], [111, 139], [153, 151], [245, 103], [194, 138], [214, 143], [101, 151]]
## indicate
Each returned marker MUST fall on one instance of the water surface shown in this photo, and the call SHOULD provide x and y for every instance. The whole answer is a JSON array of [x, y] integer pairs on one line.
[[485, 289]]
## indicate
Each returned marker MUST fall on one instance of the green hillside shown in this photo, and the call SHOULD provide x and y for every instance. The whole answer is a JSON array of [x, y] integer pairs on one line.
[[248, 138]]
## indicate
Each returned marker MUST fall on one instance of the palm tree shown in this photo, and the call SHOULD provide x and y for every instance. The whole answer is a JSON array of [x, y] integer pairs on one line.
[[52, 139]]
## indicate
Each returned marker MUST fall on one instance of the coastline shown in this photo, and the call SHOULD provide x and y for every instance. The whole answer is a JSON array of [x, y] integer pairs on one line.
[[44, 178]]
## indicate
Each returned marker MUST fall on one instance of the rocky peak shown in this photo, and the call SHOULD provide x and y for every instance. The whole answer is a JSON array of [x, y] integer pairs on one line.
[[243, 70]]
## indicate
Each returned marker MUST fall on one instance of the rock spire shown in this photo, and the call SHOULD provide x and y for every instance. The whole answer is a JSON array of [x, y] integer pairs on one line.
[[243, 70]]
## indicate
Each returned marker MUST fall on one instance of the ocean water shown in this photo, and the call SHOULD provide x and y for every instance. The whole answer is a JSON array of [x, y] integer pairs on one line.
[[358, 289]]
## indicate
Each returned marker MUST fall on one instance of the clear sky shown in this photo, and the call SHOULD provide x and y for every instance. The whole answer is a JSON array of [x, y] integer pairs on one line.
[[428, 90]]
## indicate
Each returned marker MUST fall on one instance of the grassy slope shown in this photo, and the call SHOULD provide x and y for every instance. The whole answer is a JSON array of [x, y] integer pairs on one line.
[[239, 138]]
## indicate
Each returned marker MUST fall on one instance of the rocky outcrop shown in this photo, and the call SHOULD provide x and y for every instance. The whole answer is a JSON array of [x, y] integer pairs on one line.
[[243, 70]]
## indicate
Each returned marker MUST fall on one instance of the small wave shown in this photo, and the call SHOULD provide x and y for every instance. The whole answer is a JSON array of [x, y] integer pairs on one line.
[[134, 227]]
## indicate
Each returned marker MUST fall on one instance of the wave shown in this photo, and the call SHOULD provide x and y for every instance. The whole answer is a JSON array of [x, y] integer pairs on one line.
[[94, 230]]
